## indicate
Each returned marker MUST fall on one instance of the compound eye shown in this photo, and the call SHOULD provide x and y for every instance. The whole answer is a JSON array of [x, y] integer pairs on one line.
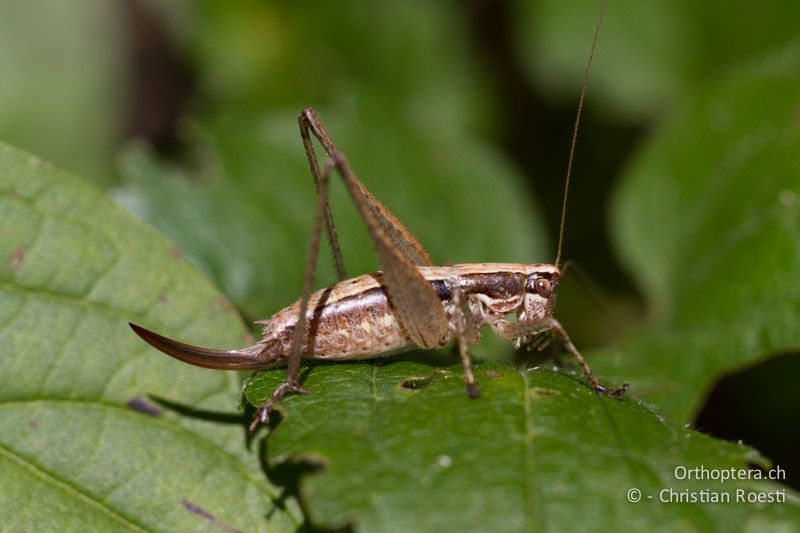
[[543, 287]]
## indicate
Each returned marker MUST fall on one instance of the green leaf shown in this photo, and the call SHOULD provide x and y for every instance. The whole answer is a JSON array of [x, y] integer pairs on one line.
[[64, 89], [81, 444], [408, 59], [401, 443], [707, 221], [649, 54]]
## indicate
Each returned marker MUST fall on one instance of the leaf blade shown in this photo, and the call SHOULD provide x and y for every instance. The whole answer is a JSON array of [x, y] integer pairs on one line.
[[537, 451], [76, 268]]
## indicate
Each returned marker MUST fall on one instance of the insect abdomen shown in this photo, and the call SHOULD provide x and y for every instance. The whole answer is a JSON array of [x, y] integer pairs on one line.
[[349, 320]]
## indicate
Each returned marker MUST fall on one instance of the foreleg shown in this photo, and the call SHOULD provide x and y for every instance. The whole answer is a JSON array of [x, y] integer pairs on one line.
[[520, 330]]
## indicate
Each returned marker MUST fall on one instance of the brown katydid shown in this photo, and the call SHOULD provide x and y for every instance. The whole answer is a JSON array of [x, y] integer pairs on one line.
[[410, 304]]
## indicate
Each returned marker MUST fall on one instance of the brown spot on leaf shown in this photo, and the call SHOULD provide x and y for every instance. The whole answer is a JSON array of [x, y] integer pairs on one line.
[[493, 374], [542, 392], [16, 258], [199, 511], [220, 302], [143, 405], [415, 383], [175, 253], [787, 198]]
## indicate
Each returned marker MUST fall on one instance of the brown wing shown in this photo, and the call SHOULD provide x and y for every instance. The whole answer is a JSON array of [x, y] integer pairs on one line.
[[394, 230], [416, 304]]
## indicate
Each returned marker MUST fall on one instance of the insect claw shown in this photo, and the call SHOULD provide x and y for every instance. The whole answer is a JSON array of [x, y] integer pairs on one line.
[[616, 392], [299, 389], [262, 415], [619, 391]]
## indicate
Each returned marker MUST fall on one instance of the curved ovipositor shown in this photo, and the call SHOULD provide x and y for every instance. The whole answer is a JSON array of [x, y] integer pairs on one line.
[[244, 359]]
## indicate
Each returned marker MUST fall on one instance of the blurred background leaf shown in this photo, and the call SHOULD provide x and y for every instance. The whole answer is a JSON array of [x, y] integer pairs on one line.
[[710, 230], [654, 54], [65, 82]]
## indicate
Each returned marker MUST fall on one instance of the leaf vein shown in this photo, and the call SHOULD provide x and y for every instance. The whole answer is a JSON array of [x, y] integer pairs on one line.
[[68, 488]]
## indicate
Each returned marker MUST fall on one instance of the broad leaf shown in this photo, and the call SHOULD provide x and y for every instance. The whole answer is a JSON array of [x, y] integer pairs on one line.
[[707, 220], [650, 54], [401, 445], [81, 444]]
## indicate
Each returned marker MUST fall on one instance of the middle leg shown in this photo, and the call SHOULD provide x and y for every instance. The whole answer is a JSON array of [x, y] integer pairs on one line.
[[466, 333]]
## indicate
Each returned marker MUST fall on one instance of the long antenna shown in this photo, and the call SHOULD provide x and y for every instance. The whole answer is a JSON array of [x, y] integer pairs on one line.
[[575, 130]]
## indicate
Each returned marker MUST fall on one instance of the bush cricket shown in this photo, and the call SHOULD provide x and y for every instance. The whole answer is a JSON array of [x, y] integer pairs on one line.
[[410, 304]]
